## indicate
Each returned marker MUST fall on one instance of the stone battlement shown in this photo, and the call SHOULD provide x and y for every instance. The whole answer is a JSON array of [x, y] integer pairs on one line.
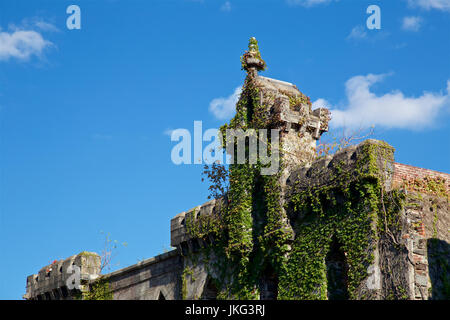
[[51, 281], [292, 110]]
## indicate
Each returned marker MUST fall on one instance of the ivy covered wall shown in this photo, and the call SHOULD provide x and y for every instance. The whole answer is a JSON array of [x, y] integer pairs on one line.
[[278, 230]]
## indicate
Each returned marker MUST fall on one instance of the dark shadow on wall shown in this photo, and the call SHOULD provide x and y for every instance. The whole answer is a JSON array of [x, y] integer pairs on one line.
[[439, 268], [337, 272], [268, 284], [210, 291]]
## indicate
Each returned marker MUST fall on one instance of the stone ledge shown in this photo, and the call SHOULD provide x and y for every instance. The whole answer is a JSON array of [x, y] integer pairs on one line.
[[143, 264]]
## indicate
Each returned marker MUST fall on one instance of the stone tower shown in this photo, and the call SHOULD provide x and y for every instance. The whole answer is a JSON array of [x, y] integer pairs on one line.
[[281, 105]]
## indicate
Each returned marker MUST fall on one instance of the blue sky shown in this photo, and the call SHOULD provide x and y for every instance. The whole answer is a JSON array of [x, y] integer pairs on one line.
[[84, 114]]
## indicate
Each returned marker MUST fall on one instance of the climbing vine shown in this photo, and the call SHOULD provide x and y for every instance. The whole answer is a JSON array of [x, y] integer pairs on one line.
[[99, 290], [429, 185], [349, 209], [258, 228], [241, 246]]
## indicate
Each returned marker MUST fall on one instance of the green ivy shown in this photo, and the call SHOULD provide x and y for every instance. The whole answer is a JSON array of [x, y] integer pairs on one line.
[[99, 290], [253, 230]]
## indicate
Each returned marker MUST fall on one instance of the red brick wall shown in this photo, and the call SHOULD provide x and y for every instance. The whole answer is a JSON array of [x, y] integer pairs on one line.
[[404, 172]]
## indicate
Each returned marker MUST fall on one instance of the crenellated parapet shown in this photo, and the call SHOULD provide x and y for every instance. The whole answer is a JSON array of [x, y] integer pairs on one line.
[[181, 236], [53, 282], [289, 109]]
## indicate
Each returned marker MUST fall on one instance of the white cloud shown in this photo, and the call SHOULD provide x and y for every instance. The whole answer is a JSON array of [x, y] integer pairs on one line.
[[224, 108], [411, 23], [45, 26], [320, 103], [226, 6], [21, 44], [391, 110], [307, 3], [443, 5], [33, 24], [357, 32]]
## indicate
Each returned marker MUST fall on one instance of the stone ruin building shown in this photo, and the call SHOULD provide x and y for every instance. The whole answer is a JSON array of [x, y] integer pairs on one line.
[[352, 225]]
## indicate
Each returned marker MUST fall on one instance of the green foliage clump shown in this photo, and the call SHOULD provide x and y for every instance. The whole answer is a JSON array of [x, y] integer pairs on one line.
[[253, 52], [99, 290]]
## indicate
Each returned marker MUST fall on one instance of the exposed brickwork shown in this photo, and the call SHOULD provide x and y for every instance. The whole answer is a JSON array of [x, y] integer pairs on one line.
[[404, 173]]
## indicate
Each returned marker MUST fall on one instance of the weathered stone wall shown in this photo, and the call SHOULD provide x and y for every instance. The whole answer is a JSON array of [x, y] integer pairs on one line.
[[151, 279], [400, 266], [410, 261], [196, 278], [157, 278], [416, 256], [51, 281], [427, 235], [291, 112], [329, 182]]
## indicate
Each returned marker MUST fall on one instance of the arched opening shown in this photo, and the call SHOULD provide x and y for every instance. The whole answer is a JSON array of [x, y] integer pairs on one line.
[[161, 296], [337, 272], [209, 290], [56, 294], [64, 292], [268, 285]]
